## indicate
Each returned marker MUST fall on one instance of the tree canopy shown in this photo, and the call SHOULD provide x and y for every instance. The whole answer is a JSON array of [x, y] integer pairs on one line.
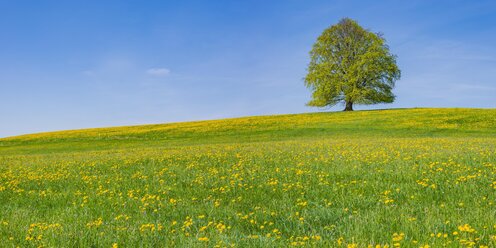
[[351, 65]]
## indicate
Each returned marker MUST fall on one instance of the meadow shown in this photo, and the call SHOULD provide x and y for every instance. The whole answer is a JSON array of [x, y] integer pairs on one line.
[[385, 178]]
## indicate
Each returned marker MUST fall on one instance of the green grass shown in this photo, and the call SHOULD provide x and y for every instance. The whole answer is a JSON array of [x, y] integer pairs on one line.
[[408, 177]]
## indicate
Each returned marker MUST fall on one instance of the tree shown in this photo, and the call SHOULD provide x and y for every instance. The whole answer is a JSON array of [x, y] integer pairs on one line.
[[351, 65]]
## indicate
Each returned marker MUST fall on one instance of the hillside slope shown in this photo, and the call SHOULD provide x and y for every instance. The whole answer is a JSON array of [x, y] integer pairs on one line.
[[388, 178], [390, 123]]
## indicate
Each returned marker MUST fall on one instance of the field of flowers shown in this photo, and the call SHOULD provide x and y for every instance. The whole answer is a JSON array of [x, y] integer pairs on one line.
[[393, 178]]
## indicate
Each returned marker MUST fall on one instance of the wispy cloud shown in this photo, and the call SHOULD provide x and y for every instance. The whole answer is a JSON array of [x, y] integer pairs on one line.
[[454, 50], [158, 71], [475, 87]]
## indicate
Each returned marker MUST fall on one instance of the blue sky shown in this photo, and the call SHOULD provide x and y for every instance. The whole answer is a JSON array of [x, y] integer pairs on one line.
[[78, 64]]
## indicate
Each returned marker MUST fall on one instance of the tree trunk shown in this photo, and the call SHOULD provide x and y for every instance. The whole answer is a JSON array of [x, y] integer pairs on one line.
[[349, 106]]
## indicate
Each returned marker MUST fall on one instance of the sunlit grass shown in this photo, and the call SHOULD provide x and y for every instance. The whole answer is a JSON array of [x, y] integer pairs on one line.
[[405, 178]]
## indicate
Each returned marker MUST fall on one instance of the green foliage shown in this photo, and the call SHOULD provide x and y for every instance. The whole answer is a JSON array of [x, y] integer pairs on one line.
[[352, 65]]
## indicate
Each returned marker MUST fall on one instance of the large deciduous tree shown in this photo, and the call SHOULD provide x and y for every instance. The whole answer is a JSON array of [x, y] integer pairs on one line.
[[351, 65]]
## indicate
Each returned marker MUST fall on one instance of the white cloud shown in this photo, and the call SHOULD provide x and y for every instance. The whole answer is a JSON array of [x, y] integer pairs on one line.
[[158, 71]]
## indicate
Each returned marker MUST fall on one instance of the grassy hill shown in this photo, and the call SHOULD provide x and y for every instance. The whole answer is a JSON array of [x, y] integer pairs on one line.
[[374, 123], [404, 177]]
